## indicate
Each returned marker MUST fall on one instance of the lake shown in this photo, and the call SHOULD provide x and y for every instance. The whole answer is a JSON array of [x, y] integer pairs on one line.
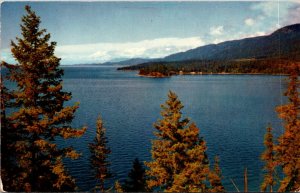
[[232, 112]]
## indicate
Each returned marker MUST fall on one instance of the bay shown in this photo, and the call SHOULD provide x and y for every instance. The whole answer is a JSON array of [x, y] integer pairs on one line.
[[232, 112]]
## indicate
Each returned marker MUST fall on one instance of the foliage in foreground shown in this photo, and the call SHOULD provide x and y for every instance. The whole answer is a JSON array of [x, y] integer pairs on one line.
[[288, 148], [285, 153], [118, 187], [38, 116], [180, 163], [270, 165], [31, 160], [136, 181], [99, 155]]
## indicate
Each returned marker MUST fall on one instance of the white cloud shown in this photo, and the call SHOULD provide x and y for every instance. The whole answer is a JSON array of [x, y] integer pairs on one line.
[[217, 40], [249, 22], [274, 14], [282, 12], [260, 33], [267, 8], [293, 15], [217, 30], [7, 57], [238, 36], [102, 52]]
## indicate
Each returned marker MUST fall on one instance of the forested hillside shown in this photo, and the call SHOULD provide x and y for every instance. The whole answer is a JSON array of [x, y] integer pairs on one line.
[[265, 54]]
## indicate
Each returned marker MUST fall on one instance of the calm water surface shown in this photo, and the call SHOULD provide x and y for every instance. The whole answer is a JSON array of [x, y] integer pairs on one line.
[[231, 111]]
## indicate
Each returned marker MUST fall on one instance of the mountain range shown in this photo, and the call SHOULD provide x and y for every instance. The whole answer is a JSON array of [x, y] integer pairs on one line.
[[282, 43]]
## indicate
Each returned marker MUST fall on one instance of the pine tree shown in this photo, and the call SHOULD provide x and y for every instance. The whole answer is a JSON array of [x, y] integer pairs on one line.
[[99, 155], [215, 178], [268, 157], [39, 116], [118, 187], [136, 178], [288, 148], [180, 163], [11, 173], [7, 141]]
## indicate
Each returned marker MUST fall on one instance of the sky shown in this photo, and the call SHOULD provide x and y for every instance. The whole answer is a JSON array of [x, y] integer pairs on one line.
[[97, 32]]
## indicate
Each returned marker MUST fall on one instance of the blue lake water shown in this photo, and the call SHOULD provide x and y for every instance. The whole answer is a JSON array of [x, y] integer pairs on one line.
[[232, 112]]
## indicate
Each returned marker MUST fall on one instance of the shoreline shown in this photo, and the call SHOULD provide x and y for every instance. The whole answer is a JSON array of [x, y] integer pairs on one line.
[[151, 76], [197, 74]]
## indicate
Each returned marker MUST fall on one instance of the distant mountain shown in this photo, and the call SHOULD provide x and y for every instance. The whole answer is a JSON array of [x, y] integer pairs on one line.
[[119, 62], [129, 62], [284, 42], [264, 54]]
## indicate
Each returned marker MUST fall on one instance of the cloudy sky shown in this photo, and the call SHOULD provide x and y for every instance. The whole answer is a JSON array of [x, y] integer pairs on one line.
[[95, 32]]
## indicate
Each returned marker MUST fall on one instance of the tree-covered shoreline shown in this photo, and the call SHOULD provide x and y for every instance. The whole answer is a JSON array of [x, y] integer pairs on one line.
[[271, 66]]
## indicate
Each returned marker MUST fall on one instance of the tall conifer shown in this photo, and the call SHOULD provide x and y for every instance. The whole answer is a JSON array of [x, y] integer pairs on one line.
[[288, 148], [40, 116], [99, 155], [215, 178], [136, 181], [8, 138], [118, 187], [268, 157], [180, 163]]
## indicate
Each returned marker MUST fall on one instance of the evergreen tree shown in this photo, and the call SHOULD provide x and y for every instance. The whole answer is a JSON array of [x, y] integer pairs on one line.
[[137, 180], [269, 157], [180, 163], [288, 148], [99, 155], [39, 116], [7, 141], [118, 187], [215, 178]]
